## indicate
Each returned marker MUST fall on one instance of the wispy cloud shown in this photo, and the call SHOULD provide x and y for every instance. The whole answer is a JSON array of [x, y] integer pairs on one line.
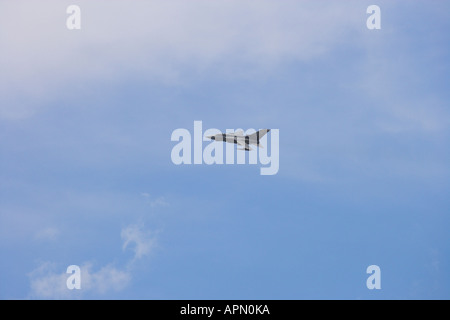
[[45, 283], [140, 240], [49, 234], [155, 202], [48, 281], [106, 279]]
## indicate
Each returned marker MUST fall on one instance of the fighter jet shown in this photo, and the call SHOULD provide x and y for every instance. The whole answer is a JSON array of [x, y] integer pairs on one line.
[[238, 137]]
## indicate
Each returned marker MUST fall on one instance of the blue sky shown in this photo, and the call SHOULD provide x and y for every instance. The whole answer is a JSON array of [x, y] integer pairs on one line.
[[86, 176]]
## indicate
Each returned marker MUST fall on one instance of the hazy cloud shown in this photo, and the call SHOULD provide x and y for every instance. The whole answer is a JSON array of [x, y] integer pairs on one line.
[[155, 202], [159, 40], [49, 233], [45, 283], [141, 240], [48, 281]]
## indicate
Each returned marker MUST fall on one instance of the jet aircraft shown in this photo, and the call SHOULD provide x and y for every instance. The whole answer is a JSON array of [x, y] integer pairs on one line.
[[238, 137]]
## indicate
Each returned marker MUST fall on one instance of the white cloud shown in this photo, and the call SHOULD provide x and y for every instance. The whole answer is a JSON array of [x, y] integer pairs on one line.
[[48, 281], [156, 202], [140, 240], [108, 278], [47, 284], [159, 40], [159, 202]]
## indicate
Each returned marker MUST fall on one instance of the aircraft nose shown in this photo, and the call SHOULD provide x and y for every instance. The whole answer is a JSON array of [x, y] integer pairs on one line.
[[212, 137]]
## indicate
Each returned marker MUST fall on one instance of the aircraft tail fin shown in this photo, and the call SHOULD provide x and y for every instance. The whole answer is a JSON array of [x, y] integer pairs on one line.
[[258, 135]]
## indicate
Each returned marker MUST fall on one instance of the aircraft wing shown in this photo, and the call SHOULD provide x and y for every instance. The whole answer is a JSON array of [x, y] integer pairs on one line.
[[243, 144]]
